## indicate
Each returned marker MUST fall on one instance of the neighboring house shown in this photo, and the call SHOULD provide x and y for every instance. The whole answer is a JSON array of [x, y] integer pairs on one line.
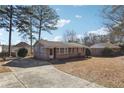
[[16, 47], [3, 48], [97, 49], [44, 49]]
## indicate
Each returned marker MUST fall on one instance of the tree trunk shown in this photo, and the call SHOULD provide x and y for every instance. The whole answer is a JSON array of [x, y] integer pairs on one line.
[[10, 31], [40, 31], [31, 42], [31, 36]]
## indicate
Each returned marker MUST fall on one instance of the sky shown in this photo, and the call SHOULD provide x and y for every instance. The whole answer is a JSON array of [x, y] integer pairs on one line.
[[81, 19]]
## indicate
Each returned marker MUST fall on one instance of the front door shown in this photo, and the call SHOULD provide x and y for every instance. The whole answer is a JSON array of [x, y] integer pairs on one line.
[[54, 53], [51, 54]]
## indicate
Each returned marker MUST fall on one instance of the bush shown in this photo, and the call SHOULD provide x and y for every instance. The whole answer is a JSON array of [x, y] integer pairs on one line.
[[107, 52], [22, 52], [88, 53], [122, 47], [13, 54]]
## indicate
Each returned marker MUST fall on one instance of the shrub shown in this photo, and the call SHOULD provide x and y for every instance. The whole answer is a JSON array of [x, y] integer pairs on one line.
[[122, 47], [88, 53], [107, 52], [22, 52], [13, 54]]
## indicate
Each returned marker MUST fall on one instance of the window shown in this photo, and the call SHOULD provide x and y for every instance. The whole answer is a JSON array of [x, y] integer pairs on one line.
[[77, 50], [62, 50], [69, 50], [83, 49], [57, 50], [51, 53], [66, 51], [72, 50]]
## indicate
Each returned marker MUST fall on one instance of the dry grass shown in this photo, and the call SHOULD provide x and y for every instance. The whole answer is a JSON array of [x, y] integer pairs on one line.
[[4, 69], [108, 72]]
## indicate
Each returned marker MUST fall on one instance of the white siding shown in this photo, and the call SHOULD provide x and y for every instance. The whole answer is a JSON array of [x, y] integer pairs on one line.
[[40, 52]]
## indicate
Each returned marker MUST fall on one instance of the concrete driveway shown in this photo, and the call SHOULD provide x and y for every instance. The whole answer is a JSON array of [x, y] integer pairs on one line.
[[41, 77]]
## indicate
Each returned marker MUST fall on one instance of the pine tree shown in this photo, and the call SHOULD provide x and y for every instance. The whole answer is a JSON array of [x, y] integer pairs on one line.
[[8, 19], [47, 19]]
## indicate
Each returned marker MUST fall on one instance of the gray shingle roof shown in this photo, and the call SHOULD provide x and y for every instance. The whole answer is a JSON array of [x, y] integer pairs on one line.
[[22, 44], [104, 45], [52, 44]]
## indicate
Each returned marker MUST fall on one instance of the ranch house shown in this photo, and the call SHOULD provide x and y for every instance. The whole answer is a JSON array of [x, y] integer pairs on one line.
[[46, 50]]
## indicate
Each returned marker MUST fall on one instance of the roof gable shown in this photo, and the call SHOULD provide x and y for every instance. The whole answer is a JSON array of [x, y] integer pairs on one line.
[[22, 44]]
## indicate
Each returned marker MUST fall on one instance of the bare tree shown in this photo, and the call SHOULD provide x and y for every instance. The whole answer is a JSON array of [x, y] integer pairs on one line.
[[70, 36], [114, 21], [90, 39]]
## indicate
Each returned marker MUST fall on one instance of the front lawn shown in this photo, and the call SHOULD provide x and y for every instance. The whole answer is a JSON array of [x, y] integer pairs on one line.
[[108, 72], [4, 69]]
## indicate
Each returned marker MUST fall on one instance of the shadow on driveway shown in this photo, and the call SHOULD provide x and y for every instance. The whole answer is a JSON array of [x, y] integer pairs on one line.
[[31, 62], [67, 60], [26, 63]]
